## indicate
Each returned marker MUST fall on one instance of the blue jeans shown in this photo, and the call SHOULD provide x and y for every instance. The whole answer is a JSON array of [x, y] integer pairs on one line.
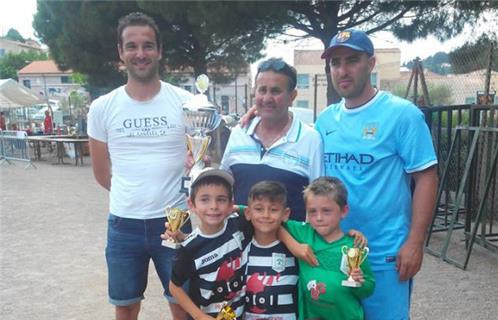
[[131, 244]]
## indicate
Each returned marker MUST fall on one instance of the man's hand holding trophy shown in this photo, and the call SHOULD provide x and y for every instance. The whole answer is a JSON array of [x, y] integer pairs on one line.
[[201, 117]]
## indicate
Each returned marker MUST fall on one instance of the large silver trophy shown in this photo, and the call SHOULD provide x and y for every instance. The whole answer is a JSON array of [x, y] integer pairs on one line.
[[201, 117]]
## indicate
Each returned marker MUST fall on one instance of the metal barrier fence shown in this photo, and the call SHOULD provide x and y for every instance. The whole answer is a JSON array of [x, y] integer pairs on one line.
[[14, 147], [466, 142]]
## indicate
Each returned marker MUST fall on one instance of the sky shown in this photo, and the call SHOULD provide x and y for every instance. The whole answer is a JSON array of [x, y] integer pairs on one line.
[[18, 14]]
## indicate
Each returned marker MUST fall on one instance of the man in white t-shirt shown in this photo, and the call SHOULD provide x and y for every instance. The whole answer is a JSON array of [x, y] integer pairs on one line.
[[139, 129]]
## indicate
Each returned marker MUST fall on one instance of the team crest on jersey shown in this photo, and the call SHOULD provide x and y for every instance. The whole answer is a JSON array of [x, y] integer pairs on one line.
[[343, 36], [369, 131], [278, 262]]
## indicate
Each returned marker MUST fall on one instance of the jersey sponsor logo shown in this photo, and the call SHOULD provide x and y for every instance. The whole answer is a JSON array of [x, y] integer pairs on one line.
[[255, 286], [348, 158], [228, 268], [209, 258]]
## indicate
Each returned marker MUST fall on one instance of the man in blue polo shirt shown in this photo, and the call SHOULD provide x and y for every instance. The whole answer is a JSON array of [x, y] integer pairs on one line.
[[376, 144]]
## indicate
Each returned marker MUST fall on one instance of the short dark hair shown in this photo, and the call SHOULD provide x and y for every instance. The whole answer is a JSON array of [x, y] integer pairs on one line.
[[137, 19], [211, 180], [328, 186], [271, 190], [278, 65]]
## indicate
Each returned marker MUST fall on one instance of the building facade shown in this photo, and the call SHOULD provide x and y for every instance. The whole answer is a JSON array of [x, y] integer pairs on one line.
[[46, 79], [9, 46]]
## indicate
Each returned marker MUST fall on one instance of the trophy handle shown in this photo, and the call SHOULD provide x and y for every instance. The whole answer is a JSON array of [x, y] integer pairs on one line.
[[344, 250], [187, 219], [198, 145], [364, 254]]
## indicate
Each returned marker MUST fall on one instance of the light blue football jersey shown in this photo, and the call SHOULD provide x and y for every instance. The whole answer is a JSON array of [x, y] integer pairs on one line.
[[373, 149]]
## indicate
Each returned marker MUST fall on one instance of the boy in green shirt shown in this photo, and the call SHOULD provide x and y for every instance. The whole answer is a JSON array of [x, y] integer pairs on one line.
[[321, 293]]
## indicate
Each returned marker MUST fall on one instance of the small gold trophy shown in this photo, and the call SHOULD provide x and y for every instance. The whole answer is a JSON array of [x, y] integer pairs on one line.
[[176, 219], [355, 257], [226, 312]]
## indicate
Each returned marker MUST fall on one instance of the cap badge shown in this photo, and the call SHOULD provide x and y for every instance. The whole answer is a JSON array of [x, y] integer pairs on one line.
[[343, 36]]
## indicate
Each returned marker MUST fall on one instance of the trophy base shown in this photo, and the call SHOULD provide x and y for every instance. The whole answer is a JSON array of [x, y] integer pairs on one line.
[[351, 283], [171, 244]]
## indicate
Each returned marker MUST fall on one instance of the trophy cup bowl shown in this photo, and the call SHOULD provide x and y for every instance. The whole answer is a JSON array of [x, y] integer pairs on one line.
[[176, 219], [201, 117], [226, 313], [355, 257]]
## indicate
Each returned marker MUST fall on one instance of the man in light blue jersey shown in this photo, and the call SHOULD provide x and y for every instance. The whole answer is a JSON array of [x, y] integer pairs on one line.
[[377, 144]]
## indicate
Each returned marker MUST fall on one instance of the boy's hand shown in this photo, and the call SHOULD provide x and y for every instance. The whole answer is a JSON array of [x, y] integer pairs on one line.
[[357, 275], [178, 235], [304, 252], [360, 241], [248, 116]]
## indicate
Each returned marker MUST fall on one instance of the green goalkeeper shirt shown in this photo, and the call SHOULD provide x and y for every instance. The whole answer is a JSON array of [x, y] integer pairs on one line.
[[320, 292]]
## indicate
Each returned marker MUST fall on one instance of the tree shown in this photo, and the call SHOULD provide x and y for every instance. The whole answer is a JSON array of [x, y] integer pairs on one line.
[[74, 103], [14, 35], [474, 56], [407, 20], [438, 63], [221, 36], [13, 62]]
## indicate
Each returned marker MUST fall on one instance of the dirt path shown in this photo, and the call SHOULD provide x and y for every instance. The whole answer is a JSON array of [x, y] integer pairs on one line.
[[52, 238]]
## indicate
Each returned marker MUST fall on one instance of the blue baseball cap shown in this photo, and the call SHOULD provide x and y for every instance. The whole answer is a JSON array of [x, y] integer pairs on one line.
[[351, 38]]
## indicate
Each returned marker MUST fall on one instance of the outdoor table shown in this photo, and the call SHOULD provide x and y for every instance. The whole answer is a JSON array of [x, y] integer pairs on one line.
[[78, 148], [37, 140]]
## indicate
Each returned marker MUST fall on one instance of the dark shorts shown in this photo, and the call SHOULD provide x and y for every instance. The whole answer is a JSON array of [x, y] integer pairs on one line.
[[131, 244]]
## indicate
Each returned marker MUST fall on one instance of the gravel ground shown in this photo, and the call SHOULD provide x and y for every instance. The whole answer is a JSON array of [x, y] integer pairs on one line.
[[52, 238]]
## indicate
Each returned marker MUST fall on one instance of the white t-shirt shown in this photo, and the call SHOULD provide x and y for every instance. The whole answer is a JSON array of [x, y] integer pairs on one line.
[[146, 143]]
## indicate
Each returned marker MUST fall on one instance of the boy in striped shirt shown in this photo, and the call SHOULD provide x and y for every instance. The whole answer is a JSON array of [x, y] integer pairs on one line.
[[272, 272]]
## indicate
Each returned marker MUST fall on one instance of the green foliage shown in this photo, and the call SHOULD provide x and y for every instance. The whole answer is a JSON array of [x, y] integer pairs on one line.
[[438, 63], [440, 95], [79, 78], [14, 35], [407, 20], [474, 56], [13, 62], [74, 102], [225, 35], [195, 34]]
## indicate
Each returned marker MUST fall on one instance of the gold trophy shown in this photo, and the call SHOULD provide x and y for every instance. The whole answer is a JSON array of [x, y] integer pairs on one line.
[[355, 257], [226, 312], [176, 219], [201, 117]]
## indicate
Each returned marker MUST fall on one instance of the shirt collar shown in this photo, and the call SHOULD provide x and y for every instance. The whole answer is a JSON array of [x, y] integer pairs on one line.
[[292, 134]]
